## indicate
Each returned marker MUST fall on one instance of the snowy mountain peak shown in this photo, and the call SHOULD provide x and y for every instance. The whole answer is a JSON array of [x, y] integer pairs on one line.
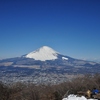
[[43, 53]]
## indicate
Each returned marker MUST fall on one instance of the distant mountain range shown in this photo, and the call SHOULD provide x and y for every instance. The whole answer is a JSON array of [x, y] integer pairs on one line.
[[46, 61]]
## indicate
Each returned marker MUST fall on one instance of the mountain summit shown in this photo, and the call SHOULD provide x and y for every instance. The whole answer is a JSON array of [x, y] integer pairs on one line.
[[44, 53]]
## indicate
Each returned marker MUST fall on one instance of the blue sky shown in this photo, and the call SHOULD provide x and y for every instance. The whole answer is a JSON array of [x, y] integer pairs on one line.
[[71, 27]]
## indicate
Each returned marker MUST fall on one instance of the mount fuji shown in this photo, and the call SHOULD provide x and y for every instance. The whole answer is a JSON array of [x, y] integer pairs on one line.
[[43, 64], [44, 53], [46, 56]]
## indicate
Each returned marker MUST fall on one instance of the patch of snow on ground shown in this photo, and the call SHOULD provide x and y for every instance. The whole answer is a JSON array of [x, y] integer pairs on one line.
[[74, 97]]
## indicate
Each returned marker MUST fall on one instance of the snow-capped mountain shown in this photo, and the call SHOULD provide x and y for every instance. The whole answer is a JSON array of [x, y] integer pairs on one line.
[[46, 56], [44, 53]]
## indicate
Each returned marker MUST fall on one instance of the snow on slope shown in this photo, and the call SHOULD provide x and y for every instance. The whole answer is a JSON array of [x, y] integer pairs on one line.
[[74, 97], [44, 53], [64, 58]]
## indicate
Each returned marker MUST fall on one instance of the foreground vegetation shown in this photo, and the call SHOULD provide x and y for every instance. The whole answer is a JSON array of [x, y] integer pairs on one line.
[[21, 91]]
